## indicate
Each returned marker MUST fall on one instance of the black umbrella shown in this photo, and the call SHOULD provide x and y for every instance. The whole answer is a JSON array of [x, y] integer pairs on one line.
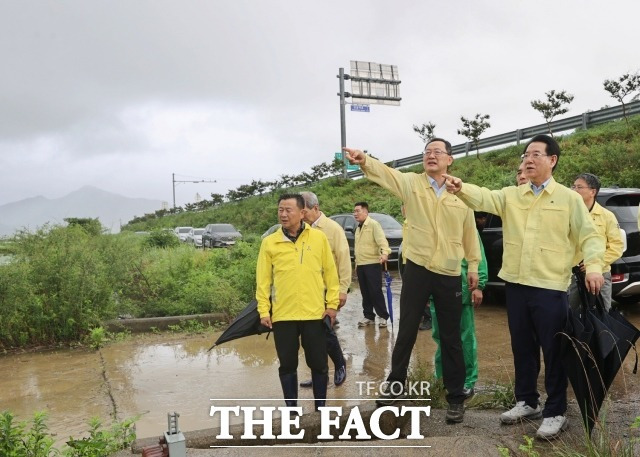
[[387, 280], [595, 346], [246, 323]]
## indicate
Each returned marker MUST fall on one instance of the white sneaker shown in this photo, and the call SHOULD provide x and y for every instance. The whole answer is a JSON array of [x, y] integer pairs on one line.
[[519, 412], [552, 427], [364, 322], [382, 323]]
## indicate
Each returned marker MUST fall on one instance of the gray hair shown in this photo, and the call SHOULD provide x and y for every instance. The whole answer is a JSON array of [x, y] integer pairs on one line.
[[592, 181], [310, 199]]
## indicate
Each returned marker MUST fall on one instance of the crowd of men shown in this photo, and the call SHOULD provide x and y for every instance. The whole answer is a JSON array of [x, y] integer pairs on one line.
[[304, 273]]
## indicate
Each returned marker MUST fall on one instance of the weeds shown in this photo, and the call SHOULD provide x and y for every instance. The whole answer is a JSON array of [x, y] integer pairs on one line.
[[496, 396], [421, 371], [97, 337], [189, 326], [18, 441]]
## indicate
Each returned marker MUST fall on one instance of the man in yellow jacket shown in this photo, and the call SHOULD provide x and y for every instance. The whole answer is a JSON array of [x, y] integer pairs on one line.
[[543, 223], [342, 257], [588, 186], [371, 250], [296, 287], [441, 232]]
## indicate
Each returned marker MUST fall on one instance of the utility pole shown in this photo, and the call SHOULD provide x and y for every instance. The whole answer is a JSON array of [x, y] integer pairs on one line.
[[174, 181]]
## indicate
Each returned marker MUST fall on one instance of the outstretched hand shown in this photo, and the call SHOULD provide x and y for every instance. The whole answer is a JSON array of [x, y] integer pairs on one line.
[[453, 184], [355, 156]]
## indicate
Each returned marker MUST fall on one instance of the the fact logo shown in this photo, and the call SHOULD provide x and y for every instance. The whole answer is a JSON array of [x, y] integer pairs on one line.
[[330, 417], [290, 418]]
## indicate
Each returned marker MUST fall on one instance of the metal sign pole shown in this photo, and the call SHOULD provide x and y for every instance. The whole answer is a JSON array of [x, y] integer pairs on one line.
[[343, 126]]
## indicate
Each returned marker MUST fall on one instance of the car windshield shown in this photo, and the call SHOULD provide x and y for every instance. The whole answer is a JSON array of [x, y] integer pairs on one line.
[[625, 207], [223, 228], [184, 229], [198, 231], [386, 221]]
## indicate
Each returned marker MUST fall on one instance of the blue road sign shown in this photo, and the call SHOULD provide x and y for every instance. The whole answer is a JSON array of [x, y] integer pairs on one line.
[[360, 108]]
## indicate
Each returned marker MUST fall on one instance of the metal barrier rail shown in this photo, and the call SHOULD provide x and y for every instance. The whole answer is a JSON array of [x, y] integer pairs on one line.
[[584, 120]]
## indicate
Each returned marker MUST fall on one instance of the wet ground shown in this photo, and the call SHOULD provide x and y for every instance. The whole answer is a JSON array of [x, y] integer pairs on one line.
[[152, 375]]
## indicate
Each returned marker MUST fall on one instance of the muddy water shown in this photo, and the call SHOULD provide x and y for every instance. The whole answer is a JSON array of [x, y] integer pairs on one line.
[[155, 374]]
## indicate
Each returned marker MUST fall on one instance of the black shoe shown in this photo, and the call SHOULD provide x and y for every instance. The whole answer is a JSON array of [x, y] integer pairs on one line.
[[426, 324], [307, 384], [390, 394], [468, 393], [455, 413], [340, 375]]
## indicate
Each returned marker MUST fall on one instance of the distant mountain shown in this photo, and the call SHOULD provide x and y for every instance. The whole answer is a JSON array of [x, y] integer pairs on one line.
[[111, 209]]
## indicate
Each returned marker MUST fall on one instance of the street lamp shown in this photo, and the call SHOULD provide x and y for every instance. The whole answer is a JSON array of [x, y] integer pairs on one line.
[[174, 181]]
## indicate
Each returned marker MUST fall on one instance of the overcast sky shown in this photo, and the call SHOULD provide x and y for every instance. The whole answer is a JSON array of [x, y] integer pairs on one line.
[[121, 94]]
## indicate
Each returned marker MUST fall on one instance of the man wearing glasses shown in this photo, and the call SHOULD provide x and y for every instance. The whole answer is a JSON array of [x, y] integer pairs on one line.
[[588, 186], [544, 224], [440, 233]]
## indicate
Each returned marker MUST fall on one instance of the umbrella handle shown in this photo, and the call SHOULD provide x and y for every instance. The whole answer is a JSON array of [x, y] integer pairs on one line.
[[385, 266]]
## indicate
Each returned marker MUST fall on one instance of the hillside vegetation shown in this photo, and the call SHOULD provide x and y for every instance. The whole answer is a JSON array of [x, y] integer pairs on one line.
[[610, 151]]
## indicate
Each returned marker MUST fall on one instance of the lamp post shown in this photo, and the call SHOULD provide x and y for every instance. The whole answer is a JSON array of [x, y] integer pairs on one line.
[[174, 181]]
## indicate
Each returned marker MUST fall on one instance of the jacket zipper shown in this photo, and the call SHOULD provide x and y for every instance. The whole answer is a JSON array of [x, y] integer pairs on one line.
[[302, 253]]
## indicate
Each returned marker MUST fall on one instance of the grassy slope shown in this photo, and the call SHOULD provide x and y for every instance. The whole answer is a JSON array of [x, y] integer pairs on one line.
[[611, 151]]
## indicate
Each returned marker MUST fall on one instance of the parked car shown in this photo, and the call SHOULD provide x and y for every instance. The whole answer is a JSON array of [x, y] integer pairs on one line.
[[391, 227], [625, 272], [220, 235], [182, 232], [270, 230], [195, 237]]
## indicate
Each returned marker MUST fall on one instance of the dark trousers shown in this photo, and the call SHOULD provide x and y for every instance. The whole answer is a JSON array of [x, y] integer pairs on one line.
[[418, 284], [370, 280], [287, 336], [333, 348], [535, 317]]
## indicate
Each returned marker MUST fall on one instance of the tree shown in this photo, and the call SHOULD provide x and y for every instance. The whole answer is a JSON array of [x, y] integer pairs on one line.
[[626, 85], [553, 106], [425, 131], [473, 128], [217, 199], [89, 225]]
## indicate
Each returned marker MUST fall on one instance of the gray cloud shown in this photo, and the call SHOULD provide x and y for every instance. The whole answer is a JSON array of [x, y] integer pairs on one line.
[[122, 94]]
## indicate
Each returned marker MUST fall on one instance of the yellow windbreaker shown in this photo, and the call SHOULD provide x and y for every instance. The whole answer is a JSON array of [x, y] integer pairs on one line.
[[370, 242], [608, 228], [339, 248], [440, 231], [540, 232], [296, 276]]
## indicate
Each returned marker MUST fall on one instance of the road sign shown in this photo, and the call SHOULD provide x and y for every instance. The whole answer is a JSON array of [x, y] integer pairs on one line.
[[360, 108], [338, 156]]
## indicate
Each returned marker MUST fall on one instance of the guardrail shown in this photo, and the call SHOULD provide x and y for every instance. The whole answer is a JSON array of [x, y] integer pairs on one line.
[[584, 120]]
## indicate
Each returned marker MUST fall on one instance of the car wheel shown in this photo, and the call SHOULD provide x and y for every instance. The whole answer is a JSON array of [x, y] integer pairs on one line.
[[630, 300]]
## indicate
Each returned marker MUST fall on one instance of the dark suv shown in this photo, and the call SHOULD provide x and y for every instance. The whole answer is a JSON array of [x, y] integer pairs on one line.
[[625, 272], [220, 235], [391, 227]]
